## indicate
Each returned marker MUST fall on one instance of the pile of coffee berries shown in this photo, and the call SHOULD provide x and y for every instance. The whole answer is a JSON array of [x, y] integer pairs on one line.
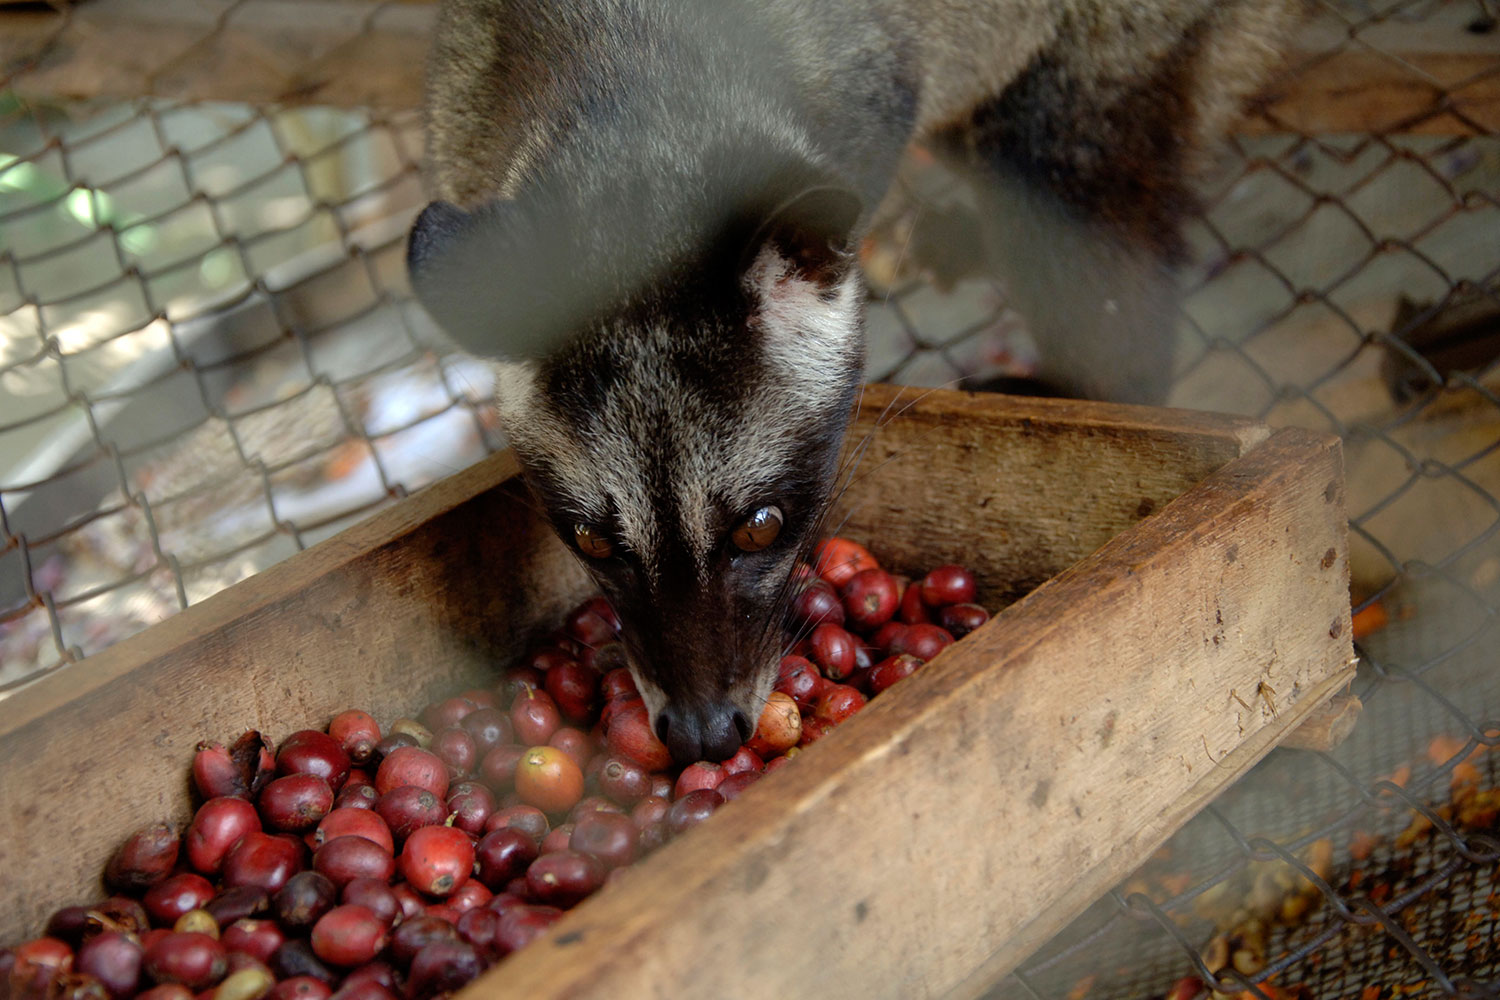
[[861, 629], [397, 863]]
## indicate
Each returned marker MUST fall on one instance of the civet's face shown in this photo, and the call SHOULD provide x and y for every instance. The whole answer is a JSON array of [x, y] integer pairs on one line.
[[689, 469]]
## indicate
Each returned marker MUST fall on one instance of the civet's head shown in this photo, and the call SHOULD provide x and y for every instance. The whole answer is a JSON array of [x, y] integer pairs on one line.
[[678, 403]]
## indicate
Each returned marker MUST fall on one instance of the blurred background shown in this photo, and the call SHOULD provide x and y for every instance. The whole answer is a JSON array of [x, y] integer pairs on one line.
[[209, 360]]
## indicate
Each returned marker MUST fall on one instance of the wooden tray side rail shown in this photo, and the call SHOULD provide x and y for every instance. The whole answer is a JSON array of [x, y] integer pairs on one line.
[[1433, 76], [937, 838], [924, 840], [1017, 489], [421, 600]]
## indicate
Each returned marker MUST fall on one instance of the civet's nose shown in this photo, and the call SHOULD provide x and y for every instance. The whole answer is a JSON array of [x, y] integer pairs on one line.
[[709, 732]]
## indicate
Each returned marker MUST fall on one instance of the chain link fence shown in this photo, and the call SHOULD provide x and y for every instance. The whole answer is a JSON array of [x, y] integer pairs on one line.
[[209, 359]]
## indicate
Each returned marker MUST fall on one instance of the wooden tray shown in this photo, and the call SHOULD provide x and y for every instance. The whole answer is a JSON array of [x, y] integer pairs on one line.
[[1180, 589]]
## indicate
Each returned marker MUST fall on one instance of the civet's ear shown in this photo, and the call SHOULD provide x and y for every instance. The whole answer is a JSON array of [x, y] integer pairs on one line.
[[436, 231], [492, 280], [814, 232]]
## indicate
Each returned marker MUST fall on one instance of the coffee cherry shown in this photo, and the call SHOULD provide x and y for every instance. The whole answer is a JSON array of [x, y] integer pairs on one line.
[[437, 859]]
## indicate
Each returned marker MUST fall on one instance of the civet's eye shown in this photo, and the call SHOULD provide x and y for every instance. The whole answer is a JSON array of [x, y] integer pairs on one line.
[[591, 542], [758, 530]]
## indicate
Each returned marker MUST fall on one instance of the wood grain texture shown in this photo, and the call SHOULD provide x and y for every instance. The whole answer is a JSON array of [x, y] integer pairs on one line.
[[343, 53], [1017, 489], [935, 839], [356, 53], [1428, 75], [1326, 726], [1001, 788], [423, 599]]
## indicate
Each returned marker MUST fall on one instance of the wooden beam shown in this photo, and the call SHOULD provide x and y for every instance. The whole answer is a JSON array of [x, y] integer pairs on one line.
[[936, 839], [344, 53], [421, 600], [1327, 726], [989, 494], [928, 844], [1432, 76], [1428, 76]]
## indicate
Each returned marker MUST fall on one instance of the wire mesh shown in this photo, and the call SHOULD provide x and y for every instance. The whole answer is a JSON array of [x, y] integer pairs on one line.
[[209, 359]]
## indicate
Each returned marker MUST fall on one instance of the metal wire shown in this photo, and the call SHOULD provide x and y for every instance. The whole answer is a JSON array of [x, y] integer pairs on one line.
[[209, 360]]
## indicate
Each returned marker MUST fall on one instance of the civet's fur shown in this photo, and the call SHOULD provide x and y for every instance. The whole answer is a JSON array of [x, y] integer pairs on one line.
[[648, 210]]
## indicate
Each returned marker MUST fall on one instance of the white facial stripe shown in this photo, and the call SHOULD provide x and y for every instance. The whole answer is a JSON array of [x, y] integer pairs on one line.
[[654, 697], [534, 428], [603, 472], [534, 145], [807, 336], [808, 341], [589, 476], [808, 345]]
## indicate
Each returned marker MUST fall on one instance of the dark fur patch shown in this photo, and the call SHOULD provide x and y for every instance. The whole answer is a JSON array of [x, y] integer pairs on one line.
[[684, 622], [1122, 162], [704, 324]]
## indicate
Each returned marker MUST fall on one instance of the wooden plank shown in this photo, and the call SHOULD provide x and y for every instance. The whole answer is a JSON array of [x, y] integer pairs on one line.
[[1327, 726], [423, 598], [1431, 76], [1368, 92], [354, 53], [344, 53], [1075, 898], [1017, 489], [989, 798], [426, 596], [402, 607]]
